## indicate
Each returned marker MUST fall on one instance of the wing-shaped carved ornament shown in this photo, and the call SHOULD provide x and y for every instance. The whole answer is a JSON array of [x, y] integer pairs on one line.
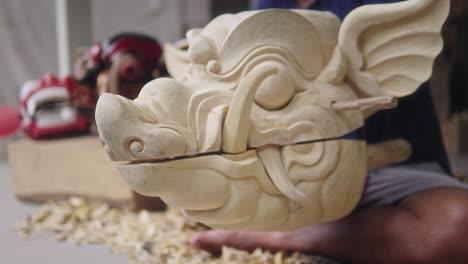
[[390, 48]]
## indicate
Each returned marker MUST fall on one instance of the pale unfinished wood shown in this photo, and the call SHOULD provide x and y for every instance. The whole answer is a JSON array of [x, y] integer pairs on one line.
[[176, 60], [388, 153], [241, 194], [48, 169], [271, 158], [374, 103], [375, 40], [275, 89]]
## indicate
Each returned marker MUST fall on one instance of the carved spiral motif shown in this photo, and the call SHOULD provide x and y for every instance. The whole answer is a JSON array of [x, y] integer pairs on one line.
[[136, 146]]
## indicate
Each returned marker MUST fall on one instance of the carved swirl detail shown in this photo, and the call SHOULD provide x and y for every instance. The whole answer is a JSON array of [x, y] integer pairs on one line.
[[137, 146], [134, 146]]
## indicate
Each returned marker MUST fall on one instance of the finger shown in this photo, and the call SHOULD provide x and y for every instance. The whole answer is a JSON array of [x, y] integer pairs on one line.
[[214, 240]]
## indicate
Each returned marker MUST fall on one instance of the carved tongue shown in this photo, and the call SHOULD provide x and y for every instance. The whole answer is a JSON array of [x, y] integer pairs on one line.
[[10, 121]]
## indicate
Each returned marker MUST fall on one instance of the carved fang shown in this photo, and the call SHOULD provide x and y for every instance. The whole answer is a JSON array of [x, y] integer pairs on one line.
[[271, 157]]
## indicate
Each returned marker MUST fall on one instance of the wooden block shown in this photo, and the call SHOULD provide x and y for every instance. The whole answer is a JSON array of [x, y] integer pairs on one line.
[[54, 169], [388, 153]]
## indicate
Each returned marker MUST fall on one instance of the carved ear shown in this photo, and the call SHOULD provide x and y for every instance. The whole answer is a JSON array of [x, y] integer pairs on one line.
[[390, 48], [202, 45], [177, 61]]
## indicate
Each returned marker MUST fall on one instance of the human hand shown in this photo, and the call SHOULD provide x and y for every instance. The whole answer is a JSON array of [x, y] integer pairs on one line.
[[298, 240]]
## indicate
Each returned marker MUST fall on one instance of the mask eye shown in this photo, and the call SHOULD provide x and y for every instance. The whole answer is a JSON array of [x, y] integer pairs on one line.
[[276, 91]]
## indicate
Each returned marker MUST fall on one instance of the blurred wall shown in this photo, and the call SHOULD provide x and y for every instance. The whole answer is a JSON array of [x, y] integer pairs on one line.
[[165, 19], [27, 46]]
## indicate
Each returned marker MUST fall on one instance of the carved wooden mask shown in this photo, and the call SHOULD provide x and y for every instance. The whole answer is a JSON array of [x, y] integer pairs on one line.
[[245, 135]]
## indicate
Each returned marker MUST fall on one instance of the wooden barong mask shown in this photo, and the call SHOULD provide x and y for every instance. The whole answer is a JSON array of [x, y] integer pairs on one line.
[[250, 132]]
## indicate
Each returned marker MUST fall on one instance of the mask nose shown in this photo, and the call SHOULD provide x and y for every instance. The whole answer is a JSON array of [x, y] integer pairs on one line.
[[112, 118], [131, 131]]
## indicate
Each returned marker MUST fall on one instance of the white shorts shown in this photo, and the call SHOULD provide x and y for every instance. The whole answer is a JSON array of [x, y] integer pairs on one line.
[[389, 185]]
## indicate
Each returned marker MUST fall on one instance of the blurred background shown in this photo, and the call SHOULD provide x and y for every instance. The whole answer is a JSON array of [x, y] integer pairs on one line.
[[29, 49], [28, 31]]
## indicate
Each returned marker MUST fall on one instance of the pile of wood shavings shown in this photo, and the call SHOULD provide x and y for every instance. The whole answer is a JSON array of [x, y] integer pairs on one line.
[[146, 237]]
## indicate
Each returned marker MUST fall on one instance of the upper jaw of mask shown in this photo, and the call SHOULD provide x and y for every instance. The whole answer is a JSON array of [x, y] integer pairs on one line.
[[233, 95]]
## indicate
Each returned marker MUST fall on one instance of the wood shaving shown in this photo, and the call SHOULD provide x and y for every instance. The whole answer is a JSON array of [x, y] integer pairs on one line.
[[146, 237]]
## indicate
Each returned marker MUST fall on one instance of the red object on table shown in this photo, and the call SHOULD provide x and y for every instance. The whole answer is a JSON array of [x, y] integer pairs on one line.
[[47, 111], [10, 120]]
